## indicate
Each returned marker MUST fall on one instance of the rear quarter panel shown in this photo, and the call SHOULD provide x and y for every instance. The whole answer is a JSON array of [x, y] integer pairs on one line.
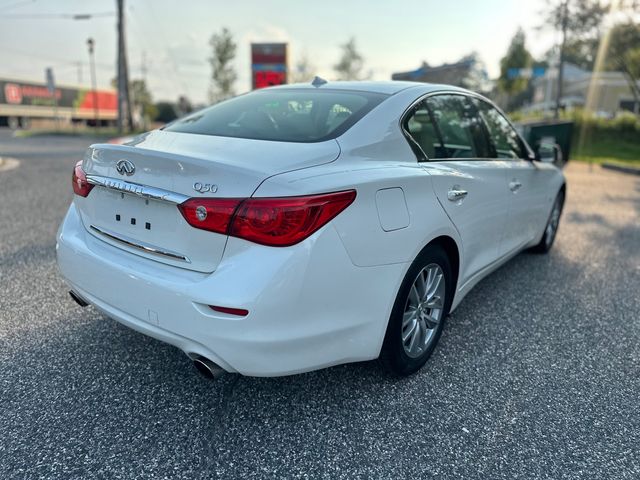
[[360, 226]]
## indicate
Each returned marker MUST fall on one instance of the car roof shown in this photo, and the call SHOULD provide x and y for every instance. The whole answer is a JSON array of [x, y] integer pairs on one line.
[[388, 87]]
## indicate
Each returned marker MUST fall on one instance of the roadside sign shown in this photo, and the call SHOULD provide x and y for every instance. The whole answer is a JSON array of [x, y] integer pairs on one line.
[[535, 72], [268, 64]]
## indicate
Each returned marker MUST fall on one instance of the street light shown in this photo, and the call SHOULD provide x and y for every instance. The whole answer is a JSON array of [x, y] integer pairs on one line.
[[91, 45]]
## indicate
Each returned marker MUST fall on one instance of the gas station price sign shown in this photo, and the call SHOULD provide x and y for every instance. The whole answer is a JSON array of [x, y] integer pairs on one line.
[[268, 64]]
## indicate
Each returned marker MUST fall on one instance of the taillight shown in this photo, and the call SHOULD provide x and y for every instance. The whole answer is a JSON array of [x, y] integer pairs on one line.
[[79, 181], [277, 222], [213, 214], [286, 221]]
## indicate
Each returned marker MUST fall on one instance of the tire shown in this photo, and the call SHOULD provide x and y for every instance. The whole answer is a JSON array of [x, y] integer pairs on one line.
[[414, 328], [13, 123], [551, 227]]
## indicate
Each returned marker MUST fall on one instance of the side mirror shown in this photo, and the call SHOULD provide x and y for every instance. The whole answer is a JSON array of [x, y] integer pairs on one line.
[[548, 151]]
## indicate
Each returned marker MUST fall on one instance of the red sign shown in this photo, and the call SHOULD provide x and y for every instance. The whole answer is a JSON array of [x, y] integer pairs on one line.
[[268, 78], [105, 100], [32, 94], [268, 64], [12, 93]]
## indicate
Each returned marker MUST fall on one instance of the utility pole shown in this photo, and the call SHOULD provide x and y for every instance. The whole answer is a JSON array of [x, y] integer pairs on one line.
[[51, 86], [143, 67], [564, 23], [125, 120], [96, 112]]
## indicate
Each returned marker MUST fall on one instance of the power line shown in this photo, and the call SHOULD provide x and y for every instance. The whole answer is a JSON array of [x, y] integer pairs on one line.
[[16, 5], [48, 16], [57, 61], [165, 73], [178, 80]]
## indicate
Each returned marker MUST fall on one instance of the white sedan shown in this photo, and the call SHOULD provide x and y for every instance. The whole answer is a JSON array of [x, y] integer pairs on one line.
[[303, 226]]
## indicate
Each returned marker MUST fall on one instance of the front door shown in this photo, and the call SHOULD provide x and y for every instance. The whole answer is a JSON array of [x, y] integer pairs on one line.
[[470, 186]]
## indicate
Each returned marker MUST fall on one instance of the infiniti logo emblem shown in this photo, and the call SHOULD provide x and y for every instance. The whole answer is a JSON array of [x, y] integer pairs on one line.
[[125, 167]]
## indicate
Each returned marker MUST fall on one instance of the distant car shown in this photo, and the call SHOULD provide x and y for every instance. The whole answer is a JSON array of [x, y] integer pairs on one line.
[[303, 226]]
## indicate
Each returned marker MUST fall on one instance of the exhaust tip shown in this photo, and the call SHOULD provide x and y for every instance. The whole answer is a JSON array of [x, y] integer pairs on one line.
[[208, 368], [78, 299]]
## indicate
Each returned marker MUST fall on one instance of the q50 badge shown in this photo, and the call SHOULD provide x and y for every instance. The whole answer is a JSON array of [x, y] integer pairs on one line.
[[205, 187]]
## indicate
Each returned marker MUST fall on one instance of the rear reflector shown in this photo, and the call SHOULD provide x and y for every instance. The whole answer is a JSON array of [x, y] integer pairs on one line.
[[277, 222], [240, 312], [79, 181]]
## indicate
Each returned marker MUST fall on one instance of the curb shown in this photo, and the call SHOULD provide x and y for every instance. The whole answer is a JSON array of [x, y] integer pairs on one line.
[[622, 168], [8, 163]]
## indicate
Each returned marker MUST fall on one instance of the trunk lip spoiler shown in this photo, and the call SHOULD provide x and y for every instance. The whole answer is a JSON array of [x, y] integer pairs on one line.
[[143, 191], [140, 245]]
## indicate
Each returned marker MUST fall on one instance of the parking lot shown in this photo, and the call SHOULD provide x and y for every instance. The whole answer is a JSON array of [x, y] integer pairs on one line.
[[536, 376]]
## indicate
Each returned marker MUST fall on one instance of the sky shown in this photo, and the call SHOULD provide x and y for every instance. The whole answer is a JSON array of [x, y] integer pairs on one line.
[[170, 39]]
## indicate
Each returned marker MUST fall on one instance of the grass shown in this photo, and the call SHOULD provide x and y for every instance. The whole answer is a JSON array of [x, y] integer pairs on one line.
[[601, 148]]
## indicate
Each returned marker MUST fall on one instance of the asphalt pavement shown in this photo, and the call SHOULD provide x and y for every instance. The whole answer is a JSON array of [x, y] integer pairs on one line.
[[537, 374]]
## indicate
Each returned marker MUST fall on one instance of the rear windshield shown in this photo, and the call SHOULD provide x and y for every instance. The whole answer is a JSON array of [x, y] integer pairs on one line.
[[286, 115]]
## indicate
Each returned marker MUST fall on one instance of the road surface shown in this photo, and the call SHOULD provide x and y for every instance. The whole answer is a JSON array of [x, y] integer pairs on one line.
[[537, 374]]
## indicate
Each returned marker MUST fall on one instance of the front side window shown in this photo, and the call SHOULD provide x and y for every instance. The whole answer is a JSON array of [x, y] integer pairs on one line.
[[459, 126], [505, 140], [286, 115]]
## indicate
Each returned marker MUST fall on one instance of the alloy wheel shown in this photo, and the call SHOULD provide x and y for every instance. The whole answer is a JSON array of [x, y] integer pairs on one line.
[[423, 310], [552, 226]]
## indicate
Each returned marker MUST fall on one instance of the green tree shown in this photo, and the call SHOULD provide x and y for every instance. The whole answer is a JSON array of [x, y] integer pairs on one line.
[[351, 63], [303, 71], [632, 63], [579, 23], [166, 112], [223, 75], [623, 54], [142, 100], [183, 106], [517, 57], [476, 77]]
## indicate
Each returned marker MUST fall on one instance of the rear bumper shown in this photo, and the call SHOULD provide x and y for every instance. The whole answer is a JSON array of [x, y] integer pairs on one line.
[[309, 306]]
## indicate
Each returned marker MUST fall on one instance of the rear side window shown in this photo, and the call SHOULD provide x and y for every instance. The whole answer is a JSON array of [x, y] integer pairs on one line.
[[459, 126], [419, 125], [286, 115], [505, 140]]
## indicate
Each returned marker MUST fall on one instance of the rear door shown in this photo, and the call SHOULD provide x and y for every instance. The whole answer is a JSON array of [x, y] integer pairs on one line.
[[470, 187]]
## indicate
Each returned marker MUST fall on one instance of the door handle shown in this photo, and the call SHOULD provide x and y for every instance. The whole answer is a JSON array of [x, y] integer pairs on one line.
[[456, 194], [514, 185]]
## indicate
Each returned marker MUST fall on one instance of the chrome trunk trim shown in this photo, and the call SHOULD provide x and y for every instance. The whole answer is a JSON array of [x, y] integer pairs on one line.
[[140, 245], [137, 189]]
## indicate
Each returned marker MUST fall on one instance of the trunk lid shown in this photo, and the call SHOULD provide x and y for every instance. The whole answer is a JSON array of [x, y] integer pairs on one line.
[[137, 213]]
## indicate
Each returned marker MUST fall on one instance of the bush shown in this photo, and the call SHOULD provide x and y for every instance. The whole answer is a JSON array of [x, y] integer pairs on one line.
[[596, 137], [623, 123], [626, 122], [166, 112]]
